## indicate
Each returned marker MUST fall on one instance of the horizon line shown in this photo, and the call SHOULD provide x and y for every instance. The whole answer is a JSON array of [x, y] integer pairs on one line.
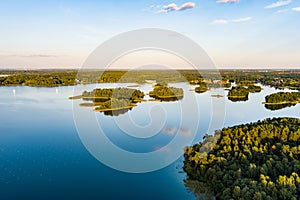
[[150, 69]]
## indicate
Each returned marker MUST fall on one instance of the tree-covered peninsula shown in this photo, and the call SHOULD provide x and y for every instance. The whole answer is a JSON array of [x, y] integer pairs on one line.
[[253, 161]]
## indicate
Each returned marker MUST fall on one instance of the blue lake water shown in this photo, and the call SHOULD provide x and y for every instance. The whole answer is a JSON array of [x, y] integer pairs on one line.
[[42, 156]]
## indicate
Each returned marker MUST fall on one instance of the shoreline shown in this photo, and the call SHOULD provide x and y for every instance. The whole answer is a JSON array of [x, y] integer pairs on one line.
[[237, 97], [281, 103], [113, 109]]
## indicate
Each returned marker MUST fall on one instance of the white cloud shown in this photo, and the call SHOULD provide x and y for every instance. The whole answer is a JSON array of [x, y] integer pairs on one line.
[[187, 5], [279, 4], [220, 21], [174, 7], [226, 21], [242, 19], [296, 9], [227, 1], [170, 7]]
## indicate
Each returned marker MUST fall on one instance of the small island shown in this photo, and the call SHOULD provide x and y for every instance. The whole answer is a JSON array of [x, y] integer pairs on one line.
[[258, 160], [201, 88], [241, 92], [238, 93], [281, 100], [254, 88], [164, 93], [113, 93], [283, 97], [217, 95], [108, 100]]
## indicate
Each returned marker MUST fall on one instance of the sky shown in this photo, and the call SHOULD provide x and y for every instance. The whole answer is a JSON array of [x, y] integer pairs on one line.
[[234, 33]]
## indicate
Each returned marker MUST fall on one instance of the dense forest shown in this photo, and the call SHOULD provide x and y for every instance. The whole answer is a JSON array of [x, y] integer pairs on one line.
[[52, 78], [253, 161], [223, 78], [38, 78]]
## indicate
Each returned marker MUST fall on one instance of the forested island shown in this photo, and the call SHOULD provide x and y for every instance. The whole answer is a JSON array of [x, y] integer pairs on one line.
[[165, 93], [254, 88], [281, 100], [111, 99], [120, 100], [238, 93], [201, 88], [113, 93], [283, 97], [258, 160], [241, 92]]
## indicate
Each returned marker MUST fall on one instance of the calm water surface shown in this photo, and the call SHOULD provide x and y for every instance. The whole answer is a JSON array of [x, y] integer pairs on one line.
[[42, 157]]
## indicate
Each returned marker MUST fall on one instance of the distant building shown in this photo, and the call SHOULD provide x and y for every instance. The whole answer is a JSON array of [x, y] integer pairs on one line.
[[207, 80], [78, 81], [196, 81], [220, 81], [150, 81]]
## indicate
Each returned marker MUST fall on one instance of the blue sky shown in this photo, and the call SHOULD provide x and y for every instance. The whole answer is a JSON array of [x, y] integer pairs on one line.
[[235, 34]]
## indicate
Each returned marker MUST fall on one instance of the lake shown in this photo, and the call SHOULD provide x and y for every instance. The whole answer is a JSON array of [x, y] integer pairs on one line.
[[43, 157]]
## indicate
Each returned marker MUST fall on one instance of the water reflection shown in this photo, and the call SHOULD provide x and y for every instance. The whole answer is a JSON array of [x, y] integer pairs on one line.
[[235, 99], [169, 99], [116, 112], [172, 130], [278, 106], [201, 190]]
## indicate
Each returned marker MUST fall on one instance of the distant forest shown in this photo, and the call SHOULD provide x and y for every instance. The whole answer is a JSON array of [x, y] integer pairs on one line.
[[51, 78]]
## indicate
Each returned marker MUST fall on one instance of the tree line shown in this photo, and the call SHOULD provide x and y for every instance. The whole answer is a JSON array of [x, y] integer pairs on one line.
[[51, 78], [258, 160]]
